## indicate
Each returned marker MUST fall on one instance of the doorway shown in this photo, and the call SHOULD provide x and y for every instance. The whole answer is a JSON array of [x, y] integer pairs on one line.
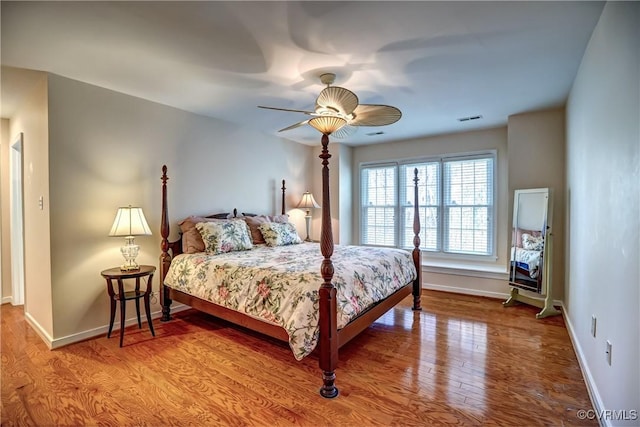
[[17, 222]]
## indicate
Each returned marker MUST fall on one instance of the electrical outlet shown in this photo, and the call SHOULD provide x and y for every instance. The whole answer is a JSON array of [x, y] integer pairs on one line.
[[608, 352], [593, 325], [41, 202]]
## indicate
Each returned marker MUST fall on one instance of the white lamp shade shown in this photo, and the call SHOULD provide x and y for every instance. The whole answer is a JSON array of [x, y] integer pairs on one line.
[[308, 201], [130, 221]]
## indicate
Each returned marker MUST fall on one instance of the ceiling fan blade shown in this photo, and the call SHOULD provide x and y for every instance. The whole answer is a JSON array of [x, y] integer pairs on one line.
[[375, 115], [295, 125], [344, 132], [338, 97], [287, 109]]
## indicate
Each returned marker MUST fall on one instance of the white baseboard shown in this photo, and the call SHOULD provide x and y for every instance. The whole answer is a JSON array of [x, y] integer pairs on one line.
[[476, 292], [81, 336], [6, 300], [477, 271], [102, 330], [596, 400], [466, 291], [39, 330]]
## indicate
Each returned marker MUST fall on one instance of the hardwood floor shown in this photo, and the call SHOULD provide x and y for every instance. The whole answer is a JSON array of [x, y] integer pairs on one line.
[[463, 360]]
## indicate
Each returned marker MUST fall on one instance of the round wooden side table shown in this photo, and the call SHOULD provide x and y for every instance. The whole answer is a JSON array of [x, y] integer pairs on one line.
[[123, 296]]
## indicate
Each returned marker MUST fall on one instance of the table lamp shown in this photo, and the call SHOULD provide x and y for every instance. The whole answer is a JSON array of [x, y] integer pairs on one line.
[[307, 203], [130, 222]]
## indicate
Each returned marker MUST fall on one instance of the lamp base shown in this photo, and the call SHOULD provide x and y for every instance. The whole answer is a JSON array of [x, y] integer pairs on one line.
[[130, 252], [125, 267], [307, 219]]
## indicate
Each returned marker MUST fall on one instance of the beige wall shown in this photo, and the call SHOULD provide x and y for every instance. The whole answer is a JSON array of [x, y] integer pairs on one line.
[[339, 191], [603, 215], [31, 119], [440, 273], [536, 160], [345, 185], [107, 149], [5, 230]]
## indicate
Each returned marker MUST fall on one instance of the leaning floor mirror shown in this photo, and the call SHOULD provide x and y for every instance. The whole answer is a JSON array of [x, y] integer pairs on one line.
[[531, 246]]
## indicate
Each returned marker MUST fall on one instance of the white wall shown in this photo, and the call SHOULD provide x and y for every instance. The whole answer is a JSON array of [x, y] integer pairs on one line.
[[603, 186], [345, 185], [339, 191], [5, 230], [106, 150], [31, 119]]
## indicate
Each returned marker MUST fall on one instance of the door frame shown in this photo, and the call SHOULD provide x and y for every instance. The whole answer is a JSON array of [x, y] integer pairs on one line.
[[17, 221]]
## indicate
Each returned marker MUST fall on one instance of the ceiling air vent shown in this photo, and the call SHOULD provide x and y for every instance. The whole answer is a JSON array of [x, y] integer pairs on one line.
[[466, 119], [375, 133]]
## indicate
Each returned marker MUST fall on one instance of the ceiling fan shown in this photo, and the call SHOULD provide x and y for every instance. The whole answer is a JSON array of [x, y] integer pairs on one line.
[[338, 112]]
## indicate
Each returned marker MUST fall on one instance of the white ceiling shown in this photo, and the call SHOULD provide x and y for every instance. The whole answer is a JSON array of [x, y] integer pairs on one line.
[[436, 61]]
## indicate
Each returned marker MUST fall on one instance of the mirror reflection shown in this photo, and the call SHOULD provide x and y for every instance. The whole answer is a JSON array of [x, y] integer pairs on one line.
[[530, 224]]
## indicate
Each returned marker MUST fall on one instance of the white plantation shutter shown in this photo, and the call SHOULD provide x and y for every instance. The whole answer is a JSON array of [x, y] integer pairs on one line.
[[468, 205], [428, 202], [455, 198], [378, 205]]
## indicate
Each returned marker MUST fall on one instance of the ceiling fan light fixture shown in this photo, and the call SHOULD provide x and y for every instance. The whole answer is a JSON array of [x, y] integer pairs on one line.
[[338, 111], [327, 124]]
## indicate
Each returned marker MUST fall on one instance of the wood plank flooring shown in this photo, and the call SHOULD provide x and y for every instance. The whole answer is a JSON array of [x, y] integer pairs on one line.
[[463, 360]]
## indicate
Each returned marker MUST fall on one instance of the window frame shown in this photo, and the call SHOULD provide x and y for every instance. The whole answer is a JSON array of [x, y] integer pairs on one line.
[[440, 243]]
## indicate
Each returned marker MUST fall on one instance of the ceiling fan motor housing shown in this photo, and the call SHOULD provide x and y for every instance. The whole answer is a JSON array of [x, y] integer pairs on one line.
[[327, 78]]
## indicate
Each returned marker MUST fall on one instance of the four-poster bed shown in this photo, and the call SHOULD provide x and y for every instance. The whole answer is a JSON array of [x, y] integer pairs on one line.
[[331, 335]]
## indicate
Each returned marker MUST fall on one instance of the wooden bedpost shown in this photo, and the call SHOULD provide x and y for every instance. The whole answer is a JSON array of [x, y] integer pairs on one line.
[[165, 257], [283, 188], [417, 258], [327, 293]]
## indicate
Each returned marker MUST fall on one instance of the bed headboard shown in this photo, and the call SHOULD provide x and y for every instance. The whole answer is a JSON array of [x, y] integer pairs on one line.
[[173, 248], [234, 214], [225, 215]]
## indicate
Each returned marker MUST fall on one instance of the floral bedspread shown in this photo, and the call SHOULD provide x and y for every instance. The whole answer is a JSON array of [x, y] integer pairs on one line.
[[530, 259], [280, 284]]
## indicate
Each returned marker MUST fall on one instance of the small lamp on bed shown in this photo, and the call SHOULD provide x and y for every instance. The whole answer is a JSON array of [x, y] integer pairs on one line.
[[130, 222], [307, 203]]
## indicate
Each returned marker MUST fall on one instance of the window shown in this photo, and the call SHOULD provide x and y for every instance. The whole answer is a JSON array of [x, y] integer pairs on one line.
[[455, 197]]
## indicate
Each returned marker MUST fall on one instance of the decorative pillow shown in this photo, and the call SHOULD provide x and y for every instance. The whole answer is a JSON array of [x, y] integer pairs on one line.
[[227, 236], [254, 223], [191, 239], [279, 234], [532, 243], [521, 231]]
